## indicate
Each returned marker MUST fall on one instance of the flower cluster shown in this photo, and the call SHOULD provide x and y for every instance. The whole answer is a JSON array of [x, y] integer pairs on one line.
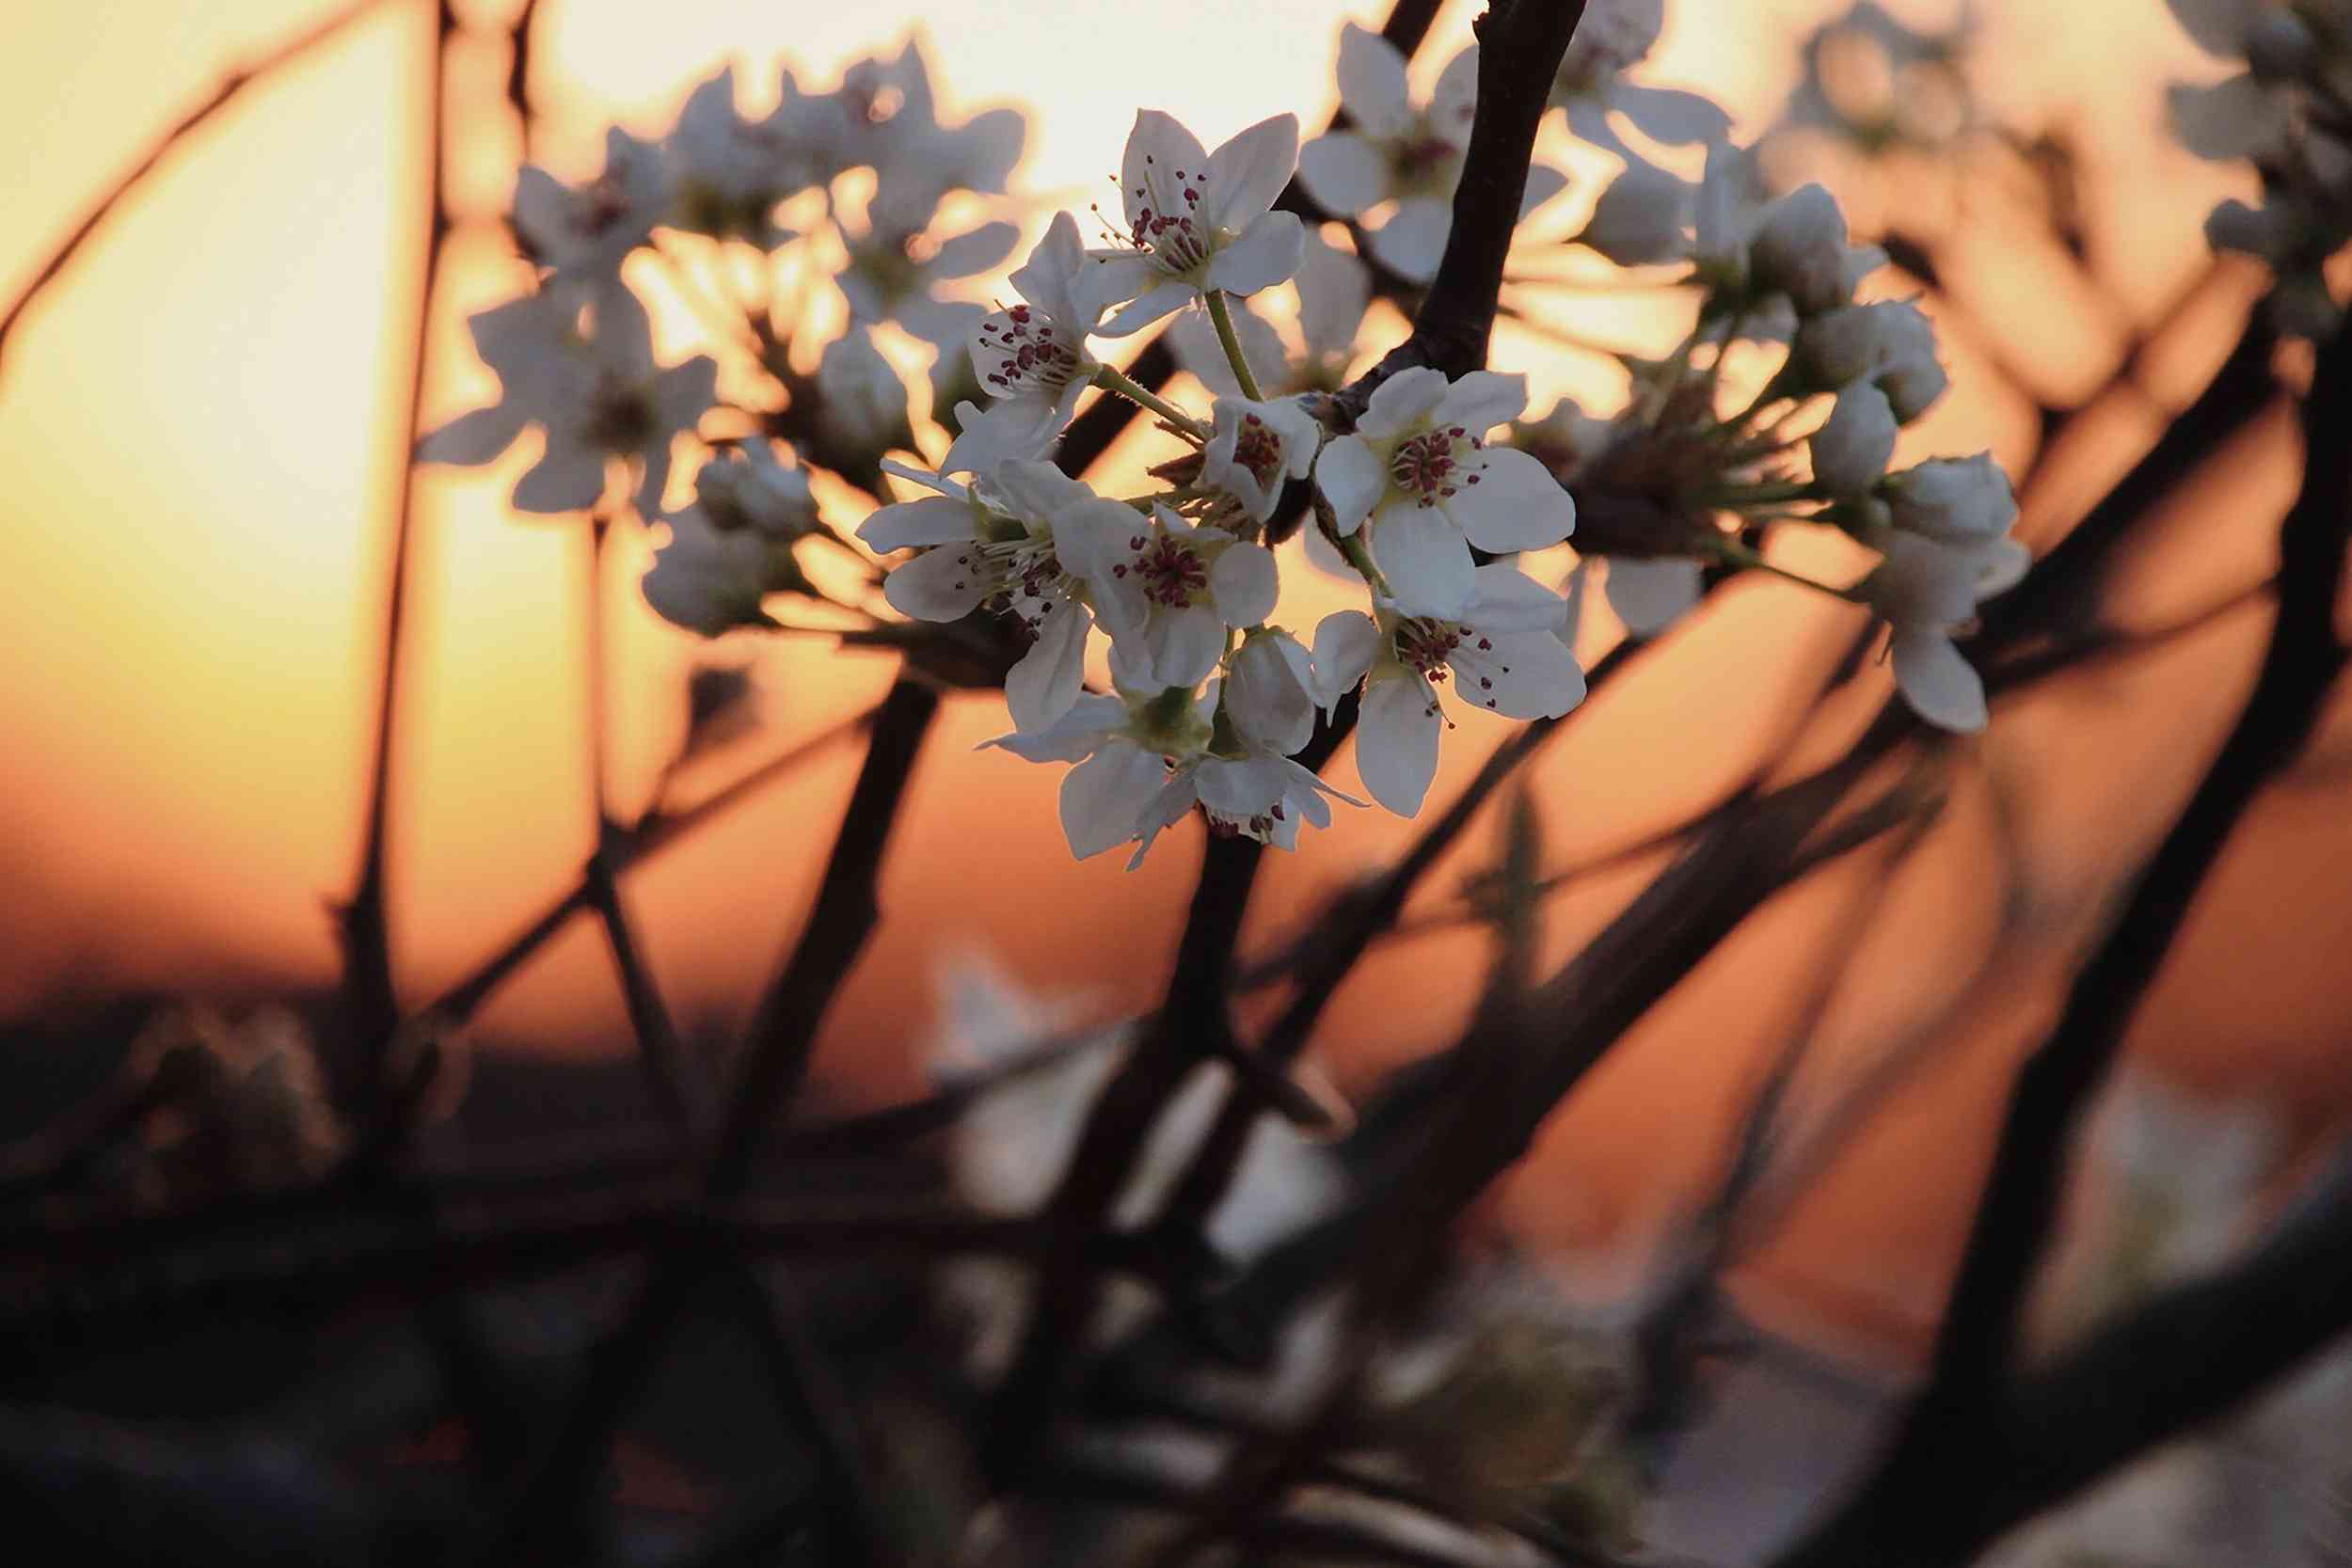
[[575, 357], [1133, 635], [2290, 112], [1672, 484]]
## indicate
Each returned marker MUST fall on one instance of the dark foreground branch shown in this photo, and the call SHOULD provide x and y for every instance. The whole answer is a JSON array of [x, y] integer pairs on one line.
[[1926, 1504]]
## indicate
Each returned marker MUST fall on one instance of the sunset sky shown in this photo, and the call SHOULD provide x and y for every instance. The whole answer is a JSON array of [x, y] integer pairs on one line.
[[202, 427]]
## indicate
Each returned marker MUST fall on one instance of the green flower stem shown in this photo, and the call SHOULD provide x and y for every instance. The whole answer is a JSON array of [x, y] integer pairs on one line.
[[1222, 314], [1135, 392], [1733, 553], [1359, 556]]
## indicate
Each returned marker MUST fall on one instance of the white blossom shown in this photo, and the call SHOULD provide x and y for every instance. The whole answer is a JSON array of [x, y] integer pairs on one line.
[[727, 176], [1198, 221], [1924, 588], [895, 274], [1256, 447], [1505, 654], [1850, 450], [744, 486], [885, 117], [598, 395], [590, 227], [1144, 762], [1613, 37], [1032, 359], [1396, 151], [1418, 469], [1165, 589], [996, 541]]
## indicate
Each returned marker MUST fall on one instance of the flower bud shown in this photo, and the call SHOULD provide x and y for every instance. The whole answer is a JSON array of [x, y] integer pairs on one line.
[[1640, 218], [2271, 232], [1850, 450], [1958, 500], [1800, 247], [711, 581], [862, 403], [745, 487]]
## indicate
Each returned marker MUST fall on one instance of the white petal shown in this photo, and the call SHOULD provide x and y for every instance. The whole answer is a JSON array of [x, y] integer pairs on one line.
[[1345, 645], [1527, 675], [1112, 279], [1090, 536], [1245, 584], [1412, 242], [1103, 798], [1940, 685], [1038, 491], [1183, 645], [1157, 148], [1371, 81], [1542, 183], [1453, 101], [2218, 25], [1665, 115], [1350, 477], [942, 584], [474, 437], [1402, 400], [1247, 172], [933, 520], [1158, 301], [1345, 172], [2239, 118], [1513, 505], [988, 437], [1041, 687], [1266, 253], [1572, 594], [975, 250], [1396, 742], [1481, 401], [1651, 596], [1426, 559], [1510, 600], [1074, 736], [570, 478], [1333, 291]]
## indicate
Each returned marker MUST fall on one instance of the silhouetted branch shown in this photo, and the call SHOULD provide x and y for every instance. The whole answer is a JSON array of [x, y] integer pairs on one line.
[[1921, 1505]]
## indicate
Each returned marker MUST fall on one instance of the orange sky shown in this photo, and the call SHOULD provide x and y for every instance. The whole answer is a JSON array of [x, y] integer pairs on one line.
[[202, 423]]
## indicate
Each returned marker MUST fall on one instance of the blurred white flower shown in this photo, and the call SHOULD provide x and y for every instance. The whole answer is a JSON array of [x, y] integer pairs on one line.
[[710, 579], [1334, 291], [590, 227], [1889, 343], [1613, 37], [1418, 469], [1270, 691], [861, 402], [1643, 217], [1955, 500], [727, 176], [1396, 151], [1850, 450], [598, 395], [1924, 588]]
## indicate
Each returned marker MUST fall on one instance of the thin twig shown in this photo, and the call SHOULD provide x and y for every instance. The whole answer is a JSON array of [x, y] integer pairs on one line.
[[226, 92]]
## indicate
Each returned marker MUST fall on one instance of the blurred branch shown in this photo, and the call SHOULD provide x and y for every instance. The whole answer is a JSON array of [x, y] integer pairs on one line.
[[1925, 1503], [284, 52], [371, 998], [652, 834]]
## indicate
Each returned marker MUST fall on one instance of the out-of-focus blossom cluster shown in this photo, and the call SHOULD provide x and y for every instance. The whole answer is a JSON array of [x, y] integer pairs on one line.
[[1875, 83], [1672, 484], [1430, 489], [2289, 111]]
